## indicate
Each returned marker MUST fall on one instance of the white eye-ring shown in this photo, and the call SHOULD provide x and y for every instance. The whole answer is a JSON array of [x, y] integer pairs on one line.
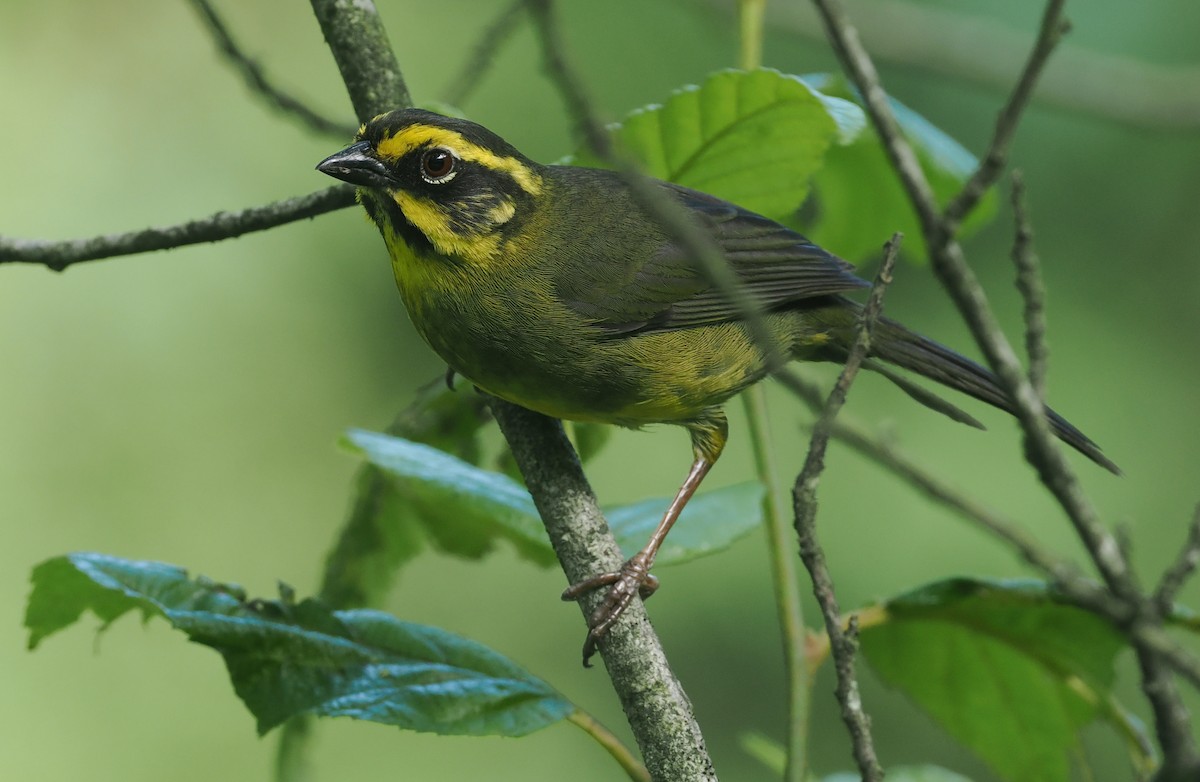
[[438, 165]]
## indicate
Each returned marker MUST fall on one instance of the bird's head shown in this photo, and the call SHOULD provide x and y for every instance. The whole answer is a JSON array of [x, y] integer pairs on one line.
[[437, 183]]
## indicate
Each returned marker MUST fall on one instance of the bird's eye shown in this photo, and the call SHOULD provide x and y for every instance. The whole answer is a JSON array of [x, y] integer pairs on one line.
[[437, 165]]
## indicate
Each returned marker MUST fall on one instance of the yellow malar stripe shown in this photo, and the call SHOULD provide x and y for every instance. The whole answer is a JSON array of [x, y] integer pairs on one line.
[[432, 220]]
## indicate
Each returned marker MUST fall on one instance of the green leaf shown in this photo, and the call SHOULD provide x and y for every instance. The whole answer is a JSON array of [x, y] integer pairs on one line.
[[752, 137], [462, 506], [1004, 666], [481, 505], [286, 659], [710, 522], [859, 200]]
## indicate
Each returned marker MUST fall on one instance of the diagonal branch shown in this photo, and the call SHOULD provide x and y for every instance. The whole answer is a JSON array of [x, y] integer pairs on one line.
[[256, 80], [1181, 569], [222, 225]]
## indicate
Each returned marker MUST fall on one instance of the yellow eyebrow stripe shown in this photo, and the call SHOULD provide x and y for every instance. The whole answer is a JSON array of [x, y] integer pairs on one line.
[[395, 147]]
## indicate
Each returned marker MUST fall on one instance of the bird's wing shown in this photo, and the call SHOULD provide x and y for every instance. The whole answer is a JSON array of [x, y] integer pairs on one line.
[[664, 288]]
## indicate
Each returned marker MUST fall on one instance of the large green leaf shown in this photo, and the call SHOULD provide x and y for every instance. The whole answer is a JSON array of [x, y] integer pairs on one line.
[[1006, 668], [751, 137], [858, 199], [287, 659], [487, 505]]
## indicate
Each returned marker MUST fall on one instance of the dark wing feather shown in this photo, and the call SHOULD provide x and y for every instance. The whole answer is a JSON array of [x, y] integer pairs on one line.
[[666, 289]]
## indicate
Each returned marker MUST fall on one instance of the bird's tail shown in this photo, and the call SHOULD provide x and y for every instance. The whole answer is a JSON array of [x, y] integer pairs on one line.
[[893, 343]]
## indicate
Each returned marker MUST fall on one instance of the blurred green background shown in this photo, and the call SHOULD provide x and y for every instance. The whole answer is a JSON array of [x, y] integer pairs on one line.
[[185, 406]]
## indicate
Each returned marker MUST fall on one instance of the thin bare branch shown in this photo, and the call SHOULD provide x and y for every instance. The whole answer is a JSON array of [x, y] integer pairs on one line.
[[1033, 290], [1172, 721], [252, 73], [1181, 570], [1054, 26], [222, 225], [843, 643], [494, 37]]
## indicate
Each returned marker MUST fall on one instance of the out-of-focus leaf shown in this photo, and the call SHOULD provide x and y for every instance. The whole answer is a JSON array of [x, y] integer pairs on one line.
[[465, 507], [765, 750], [1004, 666], [590, 439], [905, 774], [859, 201], [383, 531], [710, 522], [751, 137], [287, 659], [484, 505]]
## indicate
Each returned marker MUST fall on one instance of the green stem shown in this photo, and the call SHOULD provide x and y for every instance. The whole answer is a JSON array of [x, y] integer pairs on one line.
[[780, 542], [750, 29], [292, 754], [605, 738]]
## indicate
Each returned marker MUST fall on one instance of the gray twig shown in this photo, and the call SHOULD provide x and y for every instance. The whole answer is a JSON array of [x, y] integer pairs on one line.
[[222, 225], [1172, 721], [1033, 290], [256, 79], [1054, 26], [843, 644], [1181, 570]]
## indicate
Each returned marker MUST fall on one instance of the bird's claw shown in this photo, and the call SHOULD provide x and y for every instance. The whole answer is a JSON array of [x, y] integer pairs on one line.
[[633, 578]]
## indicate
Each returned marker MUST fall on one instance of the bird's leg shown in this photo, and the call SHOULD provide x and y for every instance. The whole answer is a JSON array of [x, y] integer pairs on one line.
[[708, 439]]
